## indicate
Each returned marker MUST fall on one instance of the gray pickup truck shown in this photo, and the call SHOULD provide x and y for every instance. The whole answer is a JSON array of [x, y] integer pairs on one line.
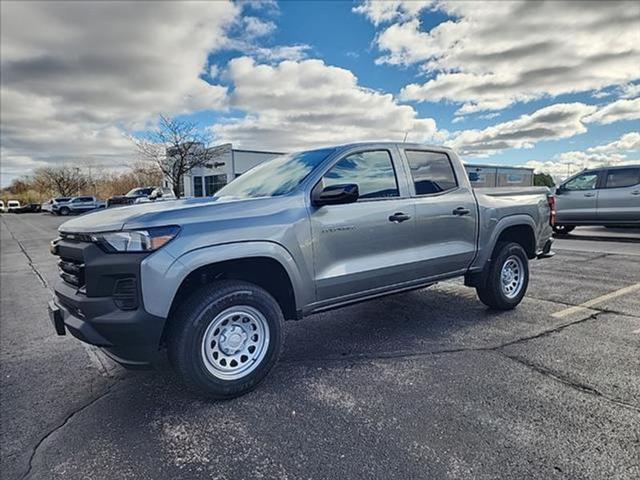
[[607, 196], [212, 280], [76, 205]]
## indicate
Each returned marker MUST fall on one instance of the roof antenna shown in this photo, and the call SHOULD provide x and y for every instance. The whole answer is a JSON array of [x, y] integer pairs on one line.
[[405, 136]]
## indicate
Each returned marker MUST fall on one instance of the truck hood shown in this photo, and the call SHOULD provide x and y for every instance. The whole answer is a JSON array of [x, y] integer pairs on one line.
[[147, 215]]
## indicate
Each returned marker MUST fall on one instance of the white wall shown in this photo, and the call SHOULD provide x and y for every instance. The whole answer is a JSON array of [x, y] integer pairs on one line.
[[245, 159]]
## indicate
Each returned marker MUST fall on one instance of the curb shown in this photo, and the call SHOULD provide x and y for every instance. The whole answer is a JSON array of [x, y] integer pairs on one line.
[[596, 238]]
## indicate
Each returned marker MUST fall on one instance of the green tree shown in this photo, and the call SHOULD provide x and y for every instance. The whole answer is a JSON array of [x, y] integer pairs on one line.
[[543, 180]]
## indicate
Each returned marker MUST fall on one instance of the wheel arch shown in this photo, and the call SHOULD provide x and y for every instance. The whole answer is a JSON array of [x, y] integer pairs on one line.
[[266, 264], [516, 228]]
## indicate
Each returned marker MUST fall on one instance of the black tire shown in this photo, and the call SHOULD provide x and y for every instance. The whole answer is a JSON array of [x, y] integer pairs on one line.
[[64, 211], [563, 229], [189, 325], [492, 293]]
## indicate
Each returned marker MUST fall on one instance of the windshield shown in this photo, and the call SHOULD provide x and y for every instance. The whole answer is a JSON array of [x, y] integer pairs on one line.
[[275, 177]]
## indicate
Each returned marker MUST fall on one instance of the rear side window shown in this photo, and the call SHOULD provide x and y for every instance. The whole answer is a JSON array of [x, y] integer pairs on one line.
[[372, 171], [622, 177], [431, 171]]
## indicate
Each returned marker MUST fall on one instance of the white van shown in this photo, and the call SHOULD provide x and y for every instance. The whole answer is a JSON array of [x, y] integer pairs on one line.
[[13, 205]]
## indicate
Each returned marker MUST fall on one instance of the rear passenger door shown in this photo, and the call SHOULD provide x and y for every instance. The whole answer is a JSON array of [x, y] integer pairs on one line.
[[446, 214], [359, 247], [619, 198]]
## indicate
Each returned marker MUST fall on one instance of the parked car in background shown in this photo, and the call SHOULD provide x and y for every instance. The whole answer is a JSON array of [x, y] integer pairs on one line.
[[79, 205], [59, 203], [1, 205], [48, 205], [13, 206], [607, 196], [131, 196], [29, 208], [160, 194], [214, 279]]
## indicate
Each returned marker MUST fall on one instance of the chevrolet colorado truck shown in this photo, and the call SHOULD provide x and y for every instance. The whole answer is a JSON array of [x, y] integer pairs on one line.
[[211, 280]]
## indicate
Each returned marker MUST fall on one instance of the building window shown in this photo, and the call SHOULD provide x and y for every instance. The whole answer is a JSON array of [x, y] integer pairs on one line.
[[197, 186], [213, 183]]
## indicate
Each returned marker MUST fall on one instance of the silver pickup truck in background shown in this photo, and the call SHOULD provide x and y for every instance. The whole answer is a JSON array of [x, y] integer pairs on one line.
[[212, 279], [76, 205], [607, 196]]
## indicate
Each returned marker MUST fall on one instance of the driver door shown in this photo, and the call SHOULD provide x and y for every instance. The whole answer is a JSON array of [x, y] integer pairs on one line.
[[577, 199], [366, 245]]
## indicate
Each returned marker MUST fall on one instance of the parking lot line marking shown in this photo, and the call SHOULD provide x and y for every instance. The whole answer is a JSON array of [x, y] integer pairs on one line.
[[584, 307]]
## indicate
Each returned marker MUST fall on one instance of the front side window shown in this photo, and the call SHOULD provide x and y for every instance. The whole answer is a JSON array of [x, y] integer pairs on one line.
[[622, 177], [586, 181], [431, 171], [372, 171]]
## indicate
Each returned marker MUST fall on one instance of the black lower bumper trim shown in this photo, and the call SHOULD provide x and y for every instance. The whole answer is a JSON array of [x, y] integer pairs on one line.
[[129, 337]]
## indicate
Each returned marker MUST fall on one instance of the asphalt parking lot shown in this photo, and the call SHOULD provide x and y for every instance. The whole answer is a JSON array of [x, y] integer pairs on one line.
[[427, 384]]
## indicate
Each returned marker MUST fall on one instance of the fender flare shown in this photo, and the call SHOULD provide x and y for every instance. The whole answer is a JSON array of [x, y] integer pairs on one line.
[[484, 254], [158, 291]]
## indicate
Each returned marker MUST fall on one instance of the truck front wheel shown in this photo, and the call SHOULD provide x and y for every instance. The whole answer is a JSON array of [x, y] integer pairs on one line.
[[225, 338], [507, 278], [563, 229]]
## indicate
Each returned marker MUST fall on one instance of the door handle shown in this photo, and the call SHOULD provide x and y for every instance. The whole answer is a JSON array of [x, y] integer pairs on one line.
[[589, 194], [461, 211], [399, 217]]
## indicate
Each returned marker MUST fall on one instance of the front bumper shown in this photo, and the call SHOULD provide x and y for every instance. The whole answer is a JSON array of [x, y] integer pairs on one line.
[[132, 337]]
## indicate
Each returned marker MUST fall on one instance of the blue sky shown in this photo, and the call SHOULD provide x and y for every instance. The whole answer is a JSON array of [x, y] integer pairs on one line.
[[503, 82]]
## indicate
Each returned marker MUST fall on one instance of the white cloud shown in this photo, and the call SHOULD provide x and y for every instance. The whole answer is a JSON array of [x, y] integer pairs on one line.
[[554, 122], [624, 150], [74, 74], [490, 55], [616, 111], [254, 27], [385, 11], [296, 105]]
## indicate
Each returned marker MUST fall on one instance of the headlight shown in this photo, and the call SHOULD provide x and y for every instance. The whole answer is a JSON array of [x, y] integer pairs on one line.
[[146, 240]]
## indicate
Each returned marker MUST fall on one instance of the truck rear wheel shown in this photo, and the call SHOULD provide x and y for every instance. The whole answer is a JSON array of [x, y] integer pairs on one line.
[[64, 211], [507, 279], [225, 338]]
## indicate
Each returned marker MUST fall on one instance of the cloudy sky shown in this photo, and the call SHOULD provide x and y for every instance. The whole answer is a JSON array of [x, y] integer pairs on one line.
[[552, 85]]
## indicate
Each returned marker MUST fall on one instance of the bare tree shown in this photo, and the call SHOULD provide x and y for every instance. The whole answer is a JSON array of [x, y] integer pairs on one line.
[[177, 147], [65, 181]]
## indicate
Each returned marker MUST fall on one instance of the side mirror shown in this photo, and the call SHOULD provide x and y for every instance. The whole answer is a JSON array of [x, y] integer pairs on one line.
[[336, 194], [560, 189]]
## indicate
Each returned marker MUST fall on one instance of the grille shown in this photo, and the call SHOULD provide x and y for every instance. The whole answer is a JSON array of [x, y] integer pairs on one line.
[[76, 237], [125, 294], [72, 272]]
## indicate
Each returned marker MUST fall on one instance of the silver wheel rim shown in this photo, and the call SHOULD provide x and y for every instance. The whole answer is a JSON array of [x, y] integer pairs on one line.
[[512, 276], [235, 342]]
